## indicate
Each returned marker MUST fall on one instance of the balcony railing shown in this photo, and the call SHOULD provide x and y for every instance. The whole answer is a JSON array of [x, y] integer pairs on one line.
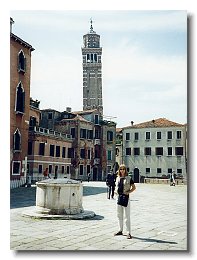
[[48, 132]]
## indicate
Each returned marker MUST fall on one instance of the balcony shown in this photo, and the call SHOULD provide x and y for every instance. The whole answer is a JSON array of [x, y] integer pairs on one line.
[[96, 161], [97, 141]]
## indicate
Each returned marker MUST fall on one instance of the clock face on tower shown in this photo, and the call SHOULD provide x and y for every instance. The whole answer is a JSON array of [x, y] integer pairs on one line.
[[92, 42]]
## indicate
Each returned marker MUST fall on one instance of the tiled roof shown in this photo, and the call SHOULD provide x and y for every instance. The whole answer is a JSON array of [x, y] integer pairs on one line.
[[77, 117], [160, 122], [118, 130], [84, 112]]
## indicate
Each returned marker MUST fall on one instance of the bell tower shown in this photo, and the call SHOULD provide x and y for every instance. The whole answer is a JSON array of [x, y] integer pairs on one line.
[[92, 74]]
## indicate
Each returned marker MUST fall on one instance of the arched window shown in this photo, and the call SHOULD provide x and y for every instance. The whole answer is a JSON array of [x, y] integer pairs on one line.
[[21, 61], [17, 140], [20, 99]]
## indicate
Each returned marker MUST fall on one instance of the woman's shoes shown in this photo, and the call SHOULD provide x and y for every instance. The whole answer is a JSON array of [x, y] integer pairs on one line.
[[129, 236], [119, 233]]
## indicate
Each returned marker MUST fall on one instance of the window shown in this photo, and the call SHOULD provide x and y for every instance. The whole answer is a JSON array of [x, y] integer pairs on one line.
[[127, 136], [82, 153], [30, 148], [179, 171], [32, 121], [40, 168], [50, 168], [50, 115], [63, 152], [96, 119], [89, 134], [159, 151], [72, 132], [41, 148], [52, 150], [82, 133], [136, 136], [21, 61], [178, 134], [57, 151], [117, 152], [169, 135], [147, 151], [89, 154], [170, 151], [88, 168], [128, 151], [158, 135], [62, 169], [20, 99], [169, 170], [109, 136], [97, 134], [67, 169], [147, 135], [136, 151], [70, 152], [179, 151], [109, 155], [17, 140], [81, 169], [147, 170], [16, 168], [158, 170]]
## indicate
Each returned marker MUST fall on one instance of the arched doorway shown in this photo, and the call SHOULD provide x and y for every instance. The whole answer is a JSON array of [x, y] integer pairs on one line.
[[136, 175]]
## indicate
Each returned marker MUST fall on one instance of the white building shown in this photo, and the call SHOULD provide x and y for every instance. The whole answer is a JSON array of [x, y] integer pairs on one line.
[[154, 149]]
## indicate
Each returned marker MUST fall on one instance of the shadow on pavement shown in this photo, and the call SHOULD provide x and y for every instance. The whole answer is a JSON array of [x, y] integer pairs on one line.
[[155, 240], [26, 196]]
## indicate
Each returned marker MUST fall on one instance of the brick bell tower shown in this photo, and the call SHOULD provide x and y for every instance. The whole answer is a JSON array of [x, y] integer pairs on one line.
[[92, 74]]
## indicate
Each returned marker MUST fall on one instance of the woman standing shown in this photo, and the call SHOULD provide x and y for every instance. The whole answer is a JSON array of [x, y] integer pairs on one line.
[[124, 186]]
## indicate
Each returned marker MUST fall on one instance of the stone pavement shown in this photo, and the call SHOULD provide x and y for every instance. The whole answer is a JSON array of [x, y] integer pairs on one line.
[[158, 221]]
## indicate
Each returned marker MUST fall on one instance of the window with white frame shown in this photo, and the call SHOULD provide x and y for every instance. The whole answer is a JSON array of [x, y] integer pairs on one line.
[[17, 140], [159, 151], [127, 136], [128, 151], [158, 135], [147, 151], [16, 167], [147, 170], [169, 135], [179, 151], [178, 134], [20, 99], [40, 167], [169, 151], [109, 155], [147, 135], [81, 169], [21, 61]]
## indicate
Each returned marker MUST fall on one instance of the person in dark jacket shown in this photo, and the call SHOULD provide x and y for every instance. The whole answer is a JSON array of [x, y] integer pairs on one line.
[[110, 181]]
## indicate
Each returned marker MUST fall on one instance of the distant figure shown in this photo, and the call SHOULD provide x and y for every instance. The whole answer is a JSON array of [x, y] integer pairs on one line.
[[172, 180], [88, 177], [110, 181], [46, 174]]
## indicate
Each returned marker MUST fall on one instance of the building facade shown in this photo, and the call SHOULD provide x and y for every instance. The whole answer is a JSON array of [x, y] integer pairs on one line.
[[20, 74], [155, 149], [93, 141]]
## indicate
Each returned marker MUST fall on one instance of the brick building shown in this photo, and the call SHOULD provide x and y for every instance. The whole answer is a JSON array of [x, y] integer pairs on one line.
[[20, 74]]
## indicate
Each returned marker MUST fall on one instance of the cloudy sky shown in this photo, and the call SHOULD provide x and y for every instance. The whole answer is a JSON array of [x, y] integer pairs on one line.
[[144, 61]]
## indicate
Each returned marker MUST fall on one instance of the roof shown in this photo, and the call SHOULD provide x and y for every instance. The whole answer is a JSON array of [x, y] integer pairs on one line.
[[160, 122], [76, 118], [25, 44], [85, 111]]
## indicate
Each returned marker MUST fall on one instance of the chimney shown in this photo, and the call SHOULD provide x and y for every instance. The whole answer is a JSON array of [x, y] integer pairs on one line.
[[68, 109], [132, 123], [11, 23]]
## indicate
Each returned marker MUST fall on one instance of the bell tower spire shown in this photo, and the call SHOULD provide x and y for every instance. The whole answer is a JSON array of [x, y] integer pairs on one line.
[[92, 75]]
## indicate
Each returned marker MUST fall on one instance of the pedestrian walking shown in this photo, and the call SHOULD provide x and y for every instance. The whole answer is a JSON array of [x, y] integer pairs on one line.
[[46, 173], [124, 186], [172, 180], [110, 182], [88, 177]]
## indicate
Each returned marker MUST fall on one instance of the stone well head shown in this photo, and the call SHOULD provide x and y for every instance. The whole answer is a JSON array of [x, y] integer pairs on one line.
[[59, 197]]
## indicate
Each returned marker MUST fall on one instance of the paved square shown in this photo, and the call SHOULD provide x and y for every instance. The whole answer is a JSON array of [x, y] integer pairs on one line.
[[158, 221]]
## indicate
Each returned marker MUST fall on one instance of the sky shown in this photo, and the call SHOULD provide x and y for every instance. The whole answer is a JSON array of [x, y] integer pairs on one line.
[[144, 61]]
